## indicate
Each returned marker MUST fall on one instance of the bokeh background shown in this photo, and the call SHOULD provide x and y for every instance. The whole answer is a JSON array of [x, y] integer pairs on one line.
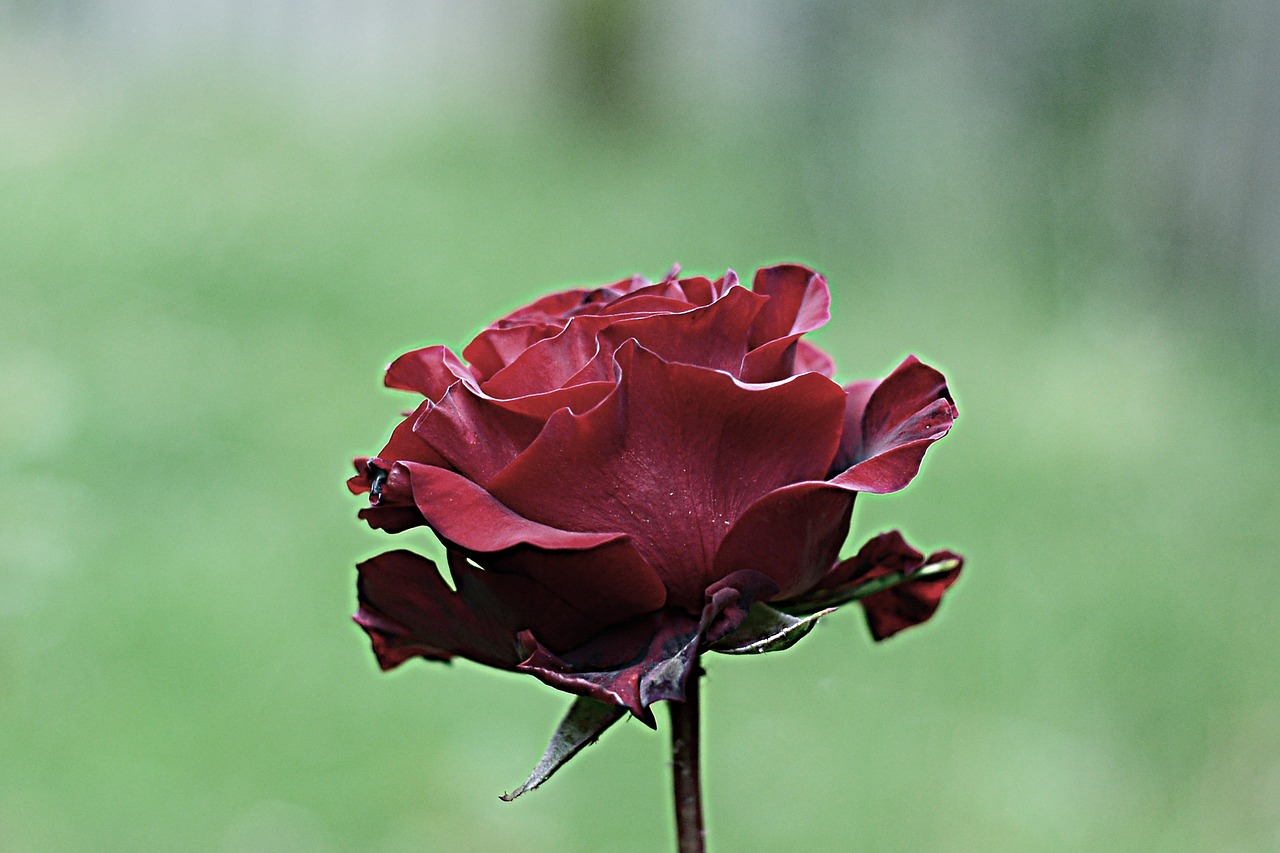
[[219, 220]]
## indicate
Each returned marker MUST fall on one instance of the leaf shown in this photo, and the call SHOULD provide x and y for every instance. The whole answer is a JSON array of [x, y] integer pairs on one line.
[[767, 630], [584, 723]]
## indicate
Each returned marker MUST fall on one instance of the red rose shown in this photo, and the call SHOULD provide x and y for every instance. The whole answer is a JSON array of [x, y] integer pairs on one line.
[[622, 476]]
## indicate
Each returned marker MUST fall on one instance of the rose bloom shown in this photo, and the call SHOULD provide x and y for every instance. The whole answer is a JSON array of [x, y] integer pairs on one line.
[[619, 474]]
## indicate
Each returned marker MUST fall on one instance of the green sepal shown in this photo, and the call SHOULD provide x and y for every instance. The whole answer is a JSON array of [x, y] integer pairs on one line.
[[766, 630], [584, 723], [832, 598]]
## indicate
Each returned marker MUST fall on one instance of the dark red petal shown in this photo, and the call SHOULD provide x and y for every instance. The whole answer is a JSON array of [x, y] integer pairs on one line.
[[909, 604], [672, 458], [899, 409], [793, 535], [550, 362], [600, 587], [582, 395], [409, 611], [392, 519], [599, 574], [902, 416], [405, 444], [493, 349], [552, 309], [648, 659], [359, 484], [474, 435], [391, 506], [464, 513], [428, 371], [711, 336], [665, 297], [889, 471], [799, 302]]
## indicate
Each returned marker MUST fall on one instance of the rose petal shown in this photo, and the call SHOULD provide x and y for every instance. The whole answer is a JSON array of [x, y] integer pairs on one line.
[[901, 407], [666, 297], [792, 534], [428, 371], [903, 415], [360, 483], [475, 436], [599, 574], [464, 513], [552, 309], [409, 611], [881, 555], [908, 604], [495, 348], [699, 290], [550, 362], [662, 458], [405, 444], [391, 505], [601, 587], [711, 336], [811, 359], [583, 394], [799, 302]]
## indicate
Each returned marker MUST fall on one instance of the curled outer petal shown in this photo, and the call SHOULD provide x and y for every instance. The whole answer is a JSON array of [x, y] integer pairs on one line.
[[889, 425], [903, 605]]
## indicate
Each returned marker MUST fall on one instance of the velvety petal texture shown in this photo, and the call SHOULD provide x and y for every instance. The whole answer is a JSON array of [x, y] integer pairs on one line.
[[620, 474]]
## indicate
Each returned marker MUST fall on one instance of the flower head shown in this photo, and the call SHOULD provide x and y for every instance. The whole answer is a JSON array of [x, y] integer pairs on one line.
[[627, 476]]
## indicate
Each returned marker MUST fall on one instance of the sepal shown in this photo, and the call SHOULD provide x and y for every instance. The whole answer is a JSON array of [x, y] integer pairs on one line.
[[582, 726], [833, 598], [767, 630]]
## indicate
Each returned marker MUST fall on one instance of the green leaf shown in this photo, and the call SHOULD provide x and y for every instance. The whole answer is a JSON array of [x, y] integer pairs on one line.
[[584, 723], [767, 630]]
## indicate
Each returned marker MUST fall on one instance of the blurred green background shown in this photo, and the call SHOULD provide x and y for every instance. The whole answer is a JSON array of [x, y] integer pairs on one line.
[[219, 220]]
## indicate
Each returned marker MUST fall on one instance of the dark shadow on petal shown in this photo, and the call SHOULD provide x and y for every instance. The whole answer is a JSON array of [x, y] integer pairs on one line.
[[648, 659]]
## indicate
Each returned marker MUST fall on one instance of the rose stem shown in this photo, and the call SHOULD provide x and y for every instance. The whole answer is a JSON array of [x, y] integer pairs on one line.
[[690, 833]]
